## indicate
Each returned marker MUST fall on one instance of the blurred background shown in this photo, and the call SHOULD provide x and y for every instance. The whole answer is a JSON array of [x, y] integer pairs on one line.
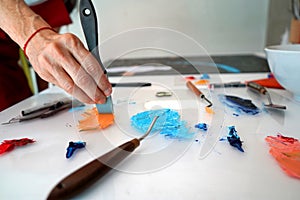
[[221, 27]]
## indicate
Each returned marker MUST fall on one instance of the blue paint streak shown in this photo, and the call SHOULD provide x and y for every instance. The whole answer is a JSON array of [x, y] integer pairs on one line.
[[239, 104], [168, 123], [228, 68]]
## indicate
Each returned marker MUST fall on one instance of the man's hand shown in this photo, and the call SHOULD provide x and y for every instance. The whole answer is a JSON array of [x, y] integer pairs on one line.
[[63, 60]]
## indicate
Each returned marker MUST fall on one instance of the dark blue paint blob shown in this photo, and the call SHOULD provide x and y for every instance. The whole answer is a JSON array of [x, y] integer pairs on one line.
[[234, 139], [202, 126], [168, 123], [239, 104], [74, 146]]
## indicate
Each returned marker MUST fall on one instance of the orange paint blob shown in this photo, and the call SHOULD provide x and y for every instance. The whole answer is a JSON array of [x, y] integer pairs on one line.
[[94, 120], [105, 120], [202, 82], [286, 151], [209, 110]]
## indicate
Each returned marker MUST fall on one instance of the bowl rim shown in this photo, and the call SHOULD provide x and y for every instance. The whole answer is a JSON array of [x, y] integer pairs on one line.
[[283, 48]]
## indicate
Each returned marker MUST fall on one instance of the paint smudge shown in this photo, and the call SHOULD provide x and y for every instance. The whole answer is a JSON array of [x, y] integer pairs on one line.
[[93, 120], [168, 123], [204, 77], [202, 82], [9, 145], [75, 109], [239, 104], [202, 126], [209, 110], [73, 146], [233, 138], [286, 151], [190, 78]]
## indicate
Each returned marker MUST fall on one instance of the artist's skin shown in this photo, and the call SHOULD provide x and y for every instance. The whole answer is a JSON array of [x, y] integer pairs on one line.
[[60, 59]]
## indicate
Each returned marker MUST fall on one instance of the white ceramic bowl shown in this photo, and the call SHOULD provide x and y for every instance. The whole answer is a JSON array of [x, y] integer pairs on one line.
[[284, 62]]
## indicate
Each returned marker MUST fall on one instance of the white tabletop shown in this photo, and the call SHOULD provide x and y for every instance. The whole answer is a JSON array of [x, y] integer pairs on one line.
[[160, 168]]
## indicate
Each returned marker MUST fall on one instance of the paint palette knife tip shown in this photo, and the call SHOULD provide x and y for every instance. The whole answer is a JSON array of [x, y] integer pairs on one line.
[[107, 107]]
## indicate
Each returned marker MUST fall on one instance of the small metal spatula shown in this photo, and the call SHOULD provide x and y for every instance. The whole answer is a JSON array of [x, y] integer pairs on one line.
[[262, 90]]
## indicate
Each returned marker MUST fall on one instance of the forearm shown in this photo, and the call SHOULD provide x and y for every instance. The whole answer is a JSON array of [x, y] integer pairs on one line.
[[18, 20]]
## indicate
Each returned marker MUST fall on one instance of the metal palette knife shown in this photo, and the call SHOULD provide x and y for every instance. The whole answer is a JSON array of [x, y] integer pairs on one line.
[[89, 25], [262, 90]]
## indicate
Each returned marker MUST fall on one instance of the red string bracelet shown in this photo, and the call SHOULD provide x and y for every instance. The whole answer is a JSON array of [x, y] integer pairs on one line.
[[33, 34]]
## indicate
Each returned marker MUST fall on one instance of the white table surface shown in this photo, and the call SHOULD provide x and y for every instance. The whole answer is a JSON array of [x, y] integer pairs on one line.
[[31, 172]]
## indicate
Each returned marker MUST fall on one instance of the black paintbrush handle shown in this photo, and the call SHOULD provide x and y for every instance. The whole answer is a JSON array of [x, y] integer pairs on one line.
[[81, 179], [89, 25]]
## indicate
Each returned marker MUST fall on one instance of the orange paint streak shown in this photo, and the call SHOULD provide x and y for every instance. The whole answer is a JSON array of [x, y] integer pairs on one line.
[[209, 110], [202, 82], [286, 151], [94, 120]]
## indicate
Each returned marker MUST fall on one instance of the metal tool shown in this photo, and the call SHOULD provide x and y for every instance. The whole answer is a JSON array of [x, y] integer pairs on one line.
[[96, 169], [163, 94], [262, 90], [131, 84], [43, 111], [227, 85], [196, 91], [89, 25]]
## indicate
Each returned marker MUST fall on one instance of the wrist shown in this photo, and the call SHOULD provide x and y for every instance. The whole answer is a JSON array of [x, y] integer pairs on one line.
[[35, 34], [40, 33]]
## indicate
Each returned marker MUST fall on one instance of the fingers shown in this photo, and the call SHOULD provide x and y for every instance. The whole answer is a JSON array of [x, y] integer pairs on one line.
[[88, 74], [64, 61], [60, 78]]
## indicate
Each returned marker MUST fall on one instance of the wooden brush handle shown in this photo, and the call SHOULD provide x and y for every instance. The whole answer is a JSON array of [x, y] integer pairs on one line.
[[257, 87], [91, 172], [194, 89]]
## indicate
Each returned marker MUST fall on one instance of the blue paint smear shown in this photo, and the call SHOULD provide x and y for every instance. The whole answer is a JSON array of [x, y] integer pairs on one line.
[[74, 146], [168, 123], [239, 104], [78, 108], [204, 77], [233, 138], [202, 126]]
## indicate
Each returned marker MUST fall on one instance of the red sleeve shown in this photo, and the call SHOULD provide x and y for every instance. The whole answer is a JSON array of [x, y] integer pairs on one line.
[[53, 12]]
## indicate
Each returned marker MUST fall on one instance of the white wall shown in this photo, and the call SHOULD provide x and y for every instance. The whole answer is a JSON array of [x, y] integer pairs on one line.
[[221, 26]]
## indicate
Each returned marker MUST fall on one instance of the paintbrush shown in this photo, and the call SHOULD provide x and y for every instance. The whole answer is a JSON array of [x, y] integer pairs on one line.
[[197, 92], [89, 25]]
